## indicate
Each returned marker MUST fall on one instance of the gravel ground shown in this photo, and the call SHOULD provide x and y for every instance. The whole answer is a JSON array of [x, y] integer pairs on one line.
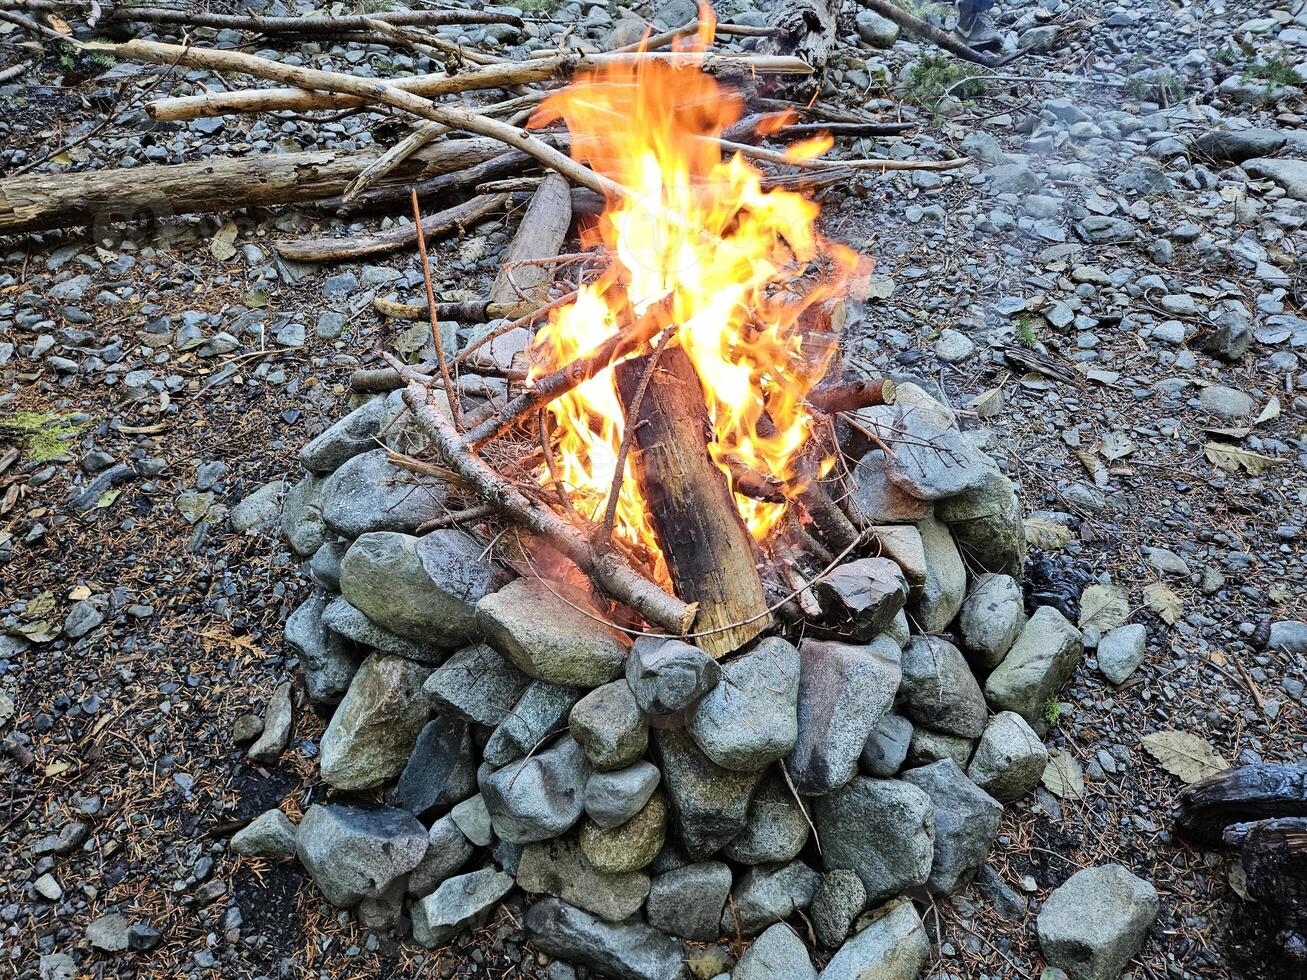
[[150, 384]]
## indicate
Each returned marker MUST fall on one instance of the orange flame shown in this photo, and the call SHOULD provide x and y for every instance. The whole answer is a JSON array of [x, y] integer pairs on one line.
[[699, 233]]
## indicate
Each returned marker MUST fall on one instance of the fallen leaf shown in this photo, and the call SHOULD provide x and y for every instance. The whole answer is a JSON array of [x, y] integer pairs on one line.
[[988, 403], [59, 24], [1163, 601], [221, 245], [1184, 755], [42, 631], [107, 498], [1218, 658], [1104, 607], [1093, 466], [1046, 534], [1270, 413], [1231, 458], [1115, 445], [39, 605], [1063, 776], [79, 592], [1236, 432]]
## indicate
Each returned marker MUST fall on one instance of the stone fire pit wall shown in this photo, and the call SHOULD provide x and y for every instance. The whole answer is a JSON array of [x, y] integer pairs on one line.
[[641, 794]]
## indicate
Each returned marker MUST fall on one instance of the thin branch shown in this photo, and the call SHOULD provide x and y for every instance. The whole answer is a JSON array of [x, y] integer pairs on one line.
[[454, 412]]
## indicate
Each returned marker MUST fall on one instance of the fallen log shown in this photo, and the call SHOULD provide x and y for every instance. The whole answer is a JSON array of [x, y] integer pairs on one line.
[[708, 550], [41, 201], [304, 97], [849, 396], [1243, 794], [942, 38], [806, 29], [393, 238], [466, 311], [539, 235], [605, 567], [322, 24]]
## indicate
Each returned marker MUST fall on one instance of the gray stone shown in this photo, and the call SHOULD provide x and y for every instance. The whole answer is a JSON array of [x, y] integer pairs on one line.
[[1009, 758], [891, 945], [326, 658], [353, 853], [1121, 651], [425, 589], [1039, 663], [1012, 178], [1288, 174], [1225, 403], [1144, 177], [277, 722], [777, 953], [946, 578], [1094, 923], [609, 726], [632, 846], [929, 746], [878, 31], [843, 692], [57, 966], [966, 820], [986, 523], [478, 684], [440, 771], [301, 516], [668, 675], [458, 904], [861, 598], [352, 435], [448, 849], [345, 621], [750, 718], [879, 500], [558, 868], [81, 619], [612, 798], [710, 805], [1288, 636], [1100, 229], [472, 817], [625, 951], [540, 797], [108, 933], [939, 689], [776, 828], [687, 902], [901, 544], [539, 712], [838, 902], [887, 746], [270, 835], [1238, 145], [549, 638], [883, 829], [991, 618], [370, 493], [768, 893], [376, 725], [260, 508]]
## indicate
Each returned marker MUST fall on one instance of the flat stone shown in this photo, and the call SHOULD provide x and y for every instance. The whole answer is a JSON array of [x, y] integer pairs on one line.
[[777, 953], [108, 933], [929, 746], [440, 771], [609, 726], [260, 508], [882, 829], [667, 676], [372, 732], [1038, 665], [349, 623], [612, 798], [327, 659], [270, 835], [710, 805], [448, 849], [966, 820], [277, 722], [557, 867], [687, 902], [540, 797], [1092, 925], [626, 951], [478, 684], [939, 690], [349, 437], [1009, 758], [1121, 651], [472, 817], [946, 578], [1287, 173], [843, 692], [370, 493], [459, 903], [1225, 403], [839, 901], [1288, 636], [891, 944], [861, 598], [1238, 145], [766, 894], [540, 711], [776, 829], [901, 544], [549, 639], [749, 719], [991, 618], [353, 853], [425, 589], [887, 746], [879, 500], [301, 516]]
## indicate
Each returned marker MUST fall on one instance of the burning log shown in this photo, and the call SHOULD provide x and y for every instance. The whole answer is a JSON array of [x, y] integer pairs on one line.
[[849, 396], [708, 549]]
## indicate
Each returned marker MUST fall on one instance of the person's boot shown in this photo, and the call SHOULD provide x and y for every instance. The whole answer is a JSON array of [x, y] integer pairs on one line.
[[975, 29]]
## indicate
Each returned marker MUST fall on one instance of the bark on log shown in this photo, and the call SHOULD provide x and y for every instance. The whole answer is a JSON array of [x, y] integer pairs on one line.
[[806, 29], [465, 311], [1239, 795], [606, 568], [281, 25], [41, 201], [708, 549], [849, 396], [539, 236], [1274, 858]]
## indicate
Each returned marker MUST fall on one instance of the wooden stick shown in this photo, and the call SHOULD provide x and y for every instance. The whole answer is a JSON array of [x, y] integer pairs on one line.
[[393, 238], [478, 513], [283, 25], [624, 448], [772, 156], [466, 311], [931, 33], [504, 75], [849, 396], [539, 235], [605, 568], [522, 321], [454, 412]]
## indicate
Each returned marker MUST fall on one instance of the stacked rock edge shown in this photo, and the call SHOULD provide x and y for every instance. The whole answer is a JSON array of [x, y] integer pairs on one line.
[[644, 793]]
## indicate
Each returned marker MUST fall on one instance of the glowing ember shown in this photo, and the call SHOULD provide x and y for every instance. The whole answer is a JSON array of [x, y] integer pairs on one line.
[[701, 230]]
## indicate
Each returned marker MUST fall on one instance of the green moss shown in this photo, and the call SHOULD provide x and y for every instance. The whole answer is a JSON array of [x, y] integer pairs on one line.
[[1052, 711], [43, 435]]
